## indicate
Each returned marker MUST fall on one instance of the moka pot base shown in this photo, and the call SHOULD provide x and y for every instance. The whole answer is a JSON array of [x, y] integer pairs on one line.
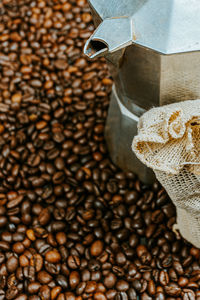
[[121, 126]]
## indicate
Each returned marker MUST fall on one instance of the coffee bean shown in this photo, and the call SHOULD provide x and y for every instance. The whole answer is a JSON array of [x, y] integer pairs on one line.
[[18, 248], [172, 291], [33, 287], [44, 277], [61, 238], [4, 245], [137, 285], [122, 285], [160, 296], [60, 64], [74, 279], [55, 292], [131, 197], [44, 217], [183, 281], [94, 265], [86, 275], [73, 261], [151, 288], [3, 221], [62, 281], [96, 276], [110, 280], [122, 234], [11, 293], [120, 258], [22, 297], [178, 268], [164, 278], [12, 264], [45, 292], [188, 294], [96, 248], [37, 262], [121, 296], [111, 294], [53, 256], [133, 240], [91, 287], [141, 249], [99, 296]]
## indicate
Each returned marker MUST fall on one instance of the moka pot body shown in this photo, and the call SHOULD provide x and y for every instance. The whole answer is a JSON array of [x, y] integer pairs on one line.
[[153, 51]]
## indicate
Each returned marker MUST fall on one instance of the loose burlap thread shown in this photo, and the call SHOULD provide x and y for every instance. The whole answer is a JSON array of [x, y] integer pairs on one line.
[[168, 141]]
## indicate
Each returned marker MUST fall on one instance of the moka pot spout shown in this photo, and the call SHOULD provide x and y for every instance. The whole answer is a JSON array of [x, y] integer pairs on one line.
[[111, 35]]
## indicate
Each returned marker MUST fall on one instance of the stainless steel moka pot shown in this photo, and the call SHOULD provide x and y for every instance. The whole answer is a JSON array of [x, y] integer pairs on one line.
[[153, 51]]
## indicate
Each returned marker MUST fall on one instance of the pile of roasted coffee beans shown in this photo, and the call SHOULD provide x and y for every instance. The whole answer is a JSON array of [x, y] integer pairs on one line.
[[72, 225]]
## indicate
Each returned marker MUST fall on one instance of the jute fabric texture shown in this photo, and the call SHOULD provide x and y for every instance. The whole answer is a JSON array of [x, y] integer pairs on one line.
[[168, 141]]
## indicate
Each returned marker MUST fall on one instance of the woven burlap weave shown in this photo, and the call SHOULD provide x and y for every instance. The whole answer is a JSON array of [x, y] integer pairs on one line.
[[168, 141]]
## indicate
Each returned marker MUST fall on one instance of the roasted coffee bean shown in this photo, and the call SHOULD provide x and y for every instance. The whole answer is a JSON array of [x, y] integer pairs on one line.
[[178, 267], [145, 296], [110, 294], [118, 271], [80, 288], [4, 245], [131, 197], [33, 287], [188, 294], [73, 262], [134, 240], [183, 281], [94, 265], [164, 278], [37, 262], [172, 291], [151, 288], [160, 296], [45, 292], [99, 296], [120, 258], [86, 275], [44, 217], [53, 256], [22, 297], [62, 281], [121, 296], [122, 285], [44, 277], [96, 248], [12, 264], [74, 279], [110, 280], [137, 285]]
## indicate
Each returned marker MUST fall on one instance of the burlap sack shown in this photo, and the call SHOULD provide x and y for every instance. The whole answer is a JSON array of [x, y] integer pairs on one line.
[[168, 141]]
